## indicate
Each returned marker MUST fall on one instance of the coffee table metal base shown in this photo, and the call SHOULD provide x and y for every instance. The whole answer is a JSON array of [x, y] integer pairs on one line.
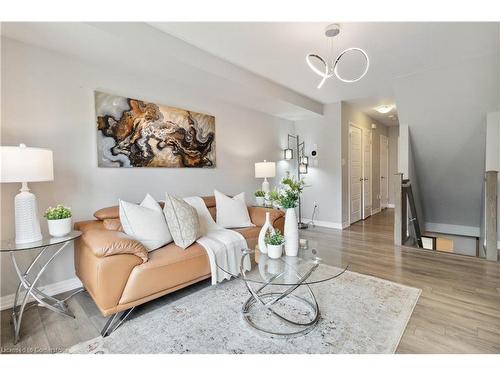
[[262, 300]]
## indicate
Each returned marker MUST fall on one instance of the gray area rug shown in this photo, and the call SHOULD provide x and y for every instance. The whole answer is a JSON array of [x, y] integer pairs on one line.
[[359, 314]]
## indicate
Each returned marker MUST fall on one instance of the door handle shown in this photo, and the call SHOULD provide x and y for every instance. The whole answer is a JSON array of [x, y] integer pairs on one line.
[[360, 179], [366, 179], [382, 177]]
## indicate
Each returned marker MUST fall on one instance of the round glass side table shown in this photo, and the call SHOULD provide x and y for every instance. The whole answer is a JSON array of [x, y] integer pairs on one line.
[[274, 306], [29, 278]]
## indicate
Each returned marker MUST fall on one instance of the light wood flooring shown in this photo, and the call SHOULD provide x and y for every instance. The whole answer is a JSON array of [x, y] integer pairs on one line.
[[457, 312]]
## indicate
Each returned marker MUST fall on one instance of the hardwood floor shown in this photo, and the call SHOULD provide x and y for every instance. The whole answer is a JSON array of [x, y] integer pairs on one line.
[[459, 308], [457, 312]]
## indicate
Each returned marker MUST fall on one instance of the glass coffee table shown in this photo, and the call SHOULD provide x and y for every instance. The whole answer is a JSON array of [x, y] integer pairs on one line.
[[281, 301]]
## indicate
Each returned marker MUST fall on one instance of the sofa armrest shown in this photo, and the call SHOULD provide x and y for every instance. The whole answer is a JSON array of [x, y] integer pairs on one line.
[[104, 243], [258, 215]]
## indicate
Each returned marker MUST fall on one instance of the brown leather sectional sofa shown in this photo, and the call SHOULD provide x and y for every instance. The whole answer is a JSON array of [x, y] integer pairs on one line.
[[120, 274]]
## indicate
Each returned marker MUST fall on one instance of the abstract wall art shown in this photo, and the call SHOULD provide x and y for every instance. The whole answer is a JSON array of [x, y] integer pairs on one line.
[[135, 133]]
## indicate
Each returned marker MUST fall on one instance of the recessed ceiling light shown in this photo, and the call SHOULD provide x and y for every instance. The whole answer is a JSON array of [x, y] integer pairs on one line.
[[384, 109]]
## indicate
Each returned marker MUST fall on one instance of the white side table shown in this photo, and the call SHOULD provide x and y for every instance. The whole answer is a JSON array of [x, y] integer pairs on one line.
[[41, 299]]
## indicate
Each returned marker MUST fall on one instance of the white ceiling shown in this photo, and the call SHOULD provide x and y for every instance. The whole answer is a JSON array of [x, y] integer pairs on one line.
[[277, 52]]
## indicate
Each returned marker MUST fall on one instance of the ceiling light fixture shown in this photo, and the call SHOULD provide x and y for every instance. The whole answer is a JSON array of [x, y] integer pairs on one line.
[[328, 70], [384, 108]]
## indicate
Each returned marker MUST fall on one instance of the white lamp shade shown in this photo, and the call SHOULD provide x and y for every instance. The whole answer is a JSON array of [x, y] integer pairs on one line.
[[26, 164], [265, 169]]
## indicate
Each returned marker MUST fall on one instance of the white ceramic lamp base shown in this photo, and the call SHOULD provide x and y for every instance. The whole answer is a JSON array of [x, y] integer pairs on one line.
[[27, 224], [266, 188]]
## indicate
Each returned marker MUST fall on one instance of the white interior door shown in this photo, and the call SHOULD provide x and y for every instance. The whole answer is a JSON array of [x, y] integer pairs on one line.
[[367, 175], [355, 173], [384, 171]]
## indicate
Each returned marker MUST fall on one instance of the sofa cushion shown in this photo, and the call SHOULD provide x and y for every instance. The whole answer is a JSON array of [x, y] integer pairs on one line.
[[112, 212], [258, 215], [209, 201], [167, 267], [145, 222], [112, 224], [182, 220], [251, 235]]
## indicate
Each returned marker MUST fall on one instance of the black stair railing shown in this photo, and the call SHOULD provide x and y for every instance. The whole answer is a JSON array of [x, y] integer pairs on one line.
[[414, 226]]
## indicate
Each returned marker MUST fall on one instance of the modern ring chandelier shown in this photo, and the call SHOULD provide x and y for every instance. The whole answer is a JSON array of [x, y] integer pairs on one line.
[[331, 69]]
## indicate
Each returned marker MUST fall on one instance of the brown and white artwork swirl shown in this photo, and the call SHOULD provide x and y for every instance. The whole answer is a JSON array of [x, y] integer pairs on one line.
[[135, 133]]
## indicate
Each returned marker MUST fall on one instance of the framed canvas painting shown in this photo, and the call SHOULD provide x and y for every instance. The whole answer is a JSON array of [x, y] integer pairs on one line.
[[134, 133]]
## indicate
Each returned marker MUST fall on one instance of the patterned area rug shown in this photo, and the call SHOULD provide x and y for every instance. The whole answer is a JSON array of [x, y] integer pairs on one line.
[[359, 314]]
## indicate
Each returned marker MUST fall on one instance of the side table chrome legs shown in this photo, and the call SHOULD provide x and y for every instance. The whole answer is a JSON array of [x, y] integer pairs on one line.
[[40, 297]]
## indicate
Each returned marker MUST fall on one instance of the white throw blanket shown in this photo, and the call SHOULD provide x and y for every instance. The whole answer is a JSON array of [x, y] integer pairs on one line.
[[222, 245]]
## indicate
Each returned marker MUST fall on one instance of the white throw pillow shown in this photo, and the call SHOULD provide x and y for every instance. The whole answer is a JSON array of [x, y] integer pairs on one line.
[[232, 212], [145, 223]]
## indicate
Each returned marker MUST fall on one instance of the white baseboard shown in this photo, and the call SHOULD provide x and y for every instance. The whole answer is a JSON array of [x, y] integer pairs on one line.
[[459, 230], [391, 205], [6, 302], [324, 224]]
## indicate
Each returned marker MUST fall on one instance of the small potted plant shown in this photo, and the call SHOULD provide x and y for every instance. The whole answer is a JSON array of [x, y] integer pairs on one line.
[[259, 197], [274, 242], [59, 220]]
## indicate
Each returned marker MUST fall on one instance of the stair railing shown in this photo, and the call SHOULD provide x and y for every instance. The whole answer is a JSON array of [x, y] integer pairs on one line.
[[406, 224]]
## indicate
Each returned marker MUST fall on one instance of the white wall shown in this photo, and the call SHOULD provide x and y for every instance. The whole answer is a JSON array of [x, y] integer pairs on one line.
[[324, 174], [445, 108], [406, 166], [393, 160], [47, 101], [183, 65]]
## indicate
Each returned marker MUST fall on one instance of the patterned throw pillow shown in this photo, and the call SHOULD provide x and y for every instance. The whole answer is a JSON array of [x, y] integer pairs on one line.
[[182, 220]]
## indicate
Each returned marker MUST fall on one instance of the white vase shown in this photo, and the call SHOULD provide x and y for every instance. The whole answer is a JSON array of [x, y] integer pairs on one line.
[[60, 227], [262, 234], [274, 251], [259, 201], [291, 233]]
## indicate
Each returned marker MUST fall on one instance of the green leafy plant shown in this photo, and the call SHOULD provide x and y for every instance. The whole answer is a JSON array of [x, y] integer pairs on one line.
[[287, 196], [57, 213], [260, 193], [275, 238]]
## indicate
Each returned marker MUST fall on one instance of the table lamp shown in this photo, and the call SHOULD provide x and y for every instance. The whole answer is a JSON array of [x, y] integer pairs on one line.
[[26, 164], [264, 170]]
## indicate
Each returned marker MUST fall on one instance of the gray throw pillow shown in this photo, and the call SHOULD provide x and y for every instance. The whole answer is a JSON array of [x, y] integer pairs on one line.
[[182, 220]]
